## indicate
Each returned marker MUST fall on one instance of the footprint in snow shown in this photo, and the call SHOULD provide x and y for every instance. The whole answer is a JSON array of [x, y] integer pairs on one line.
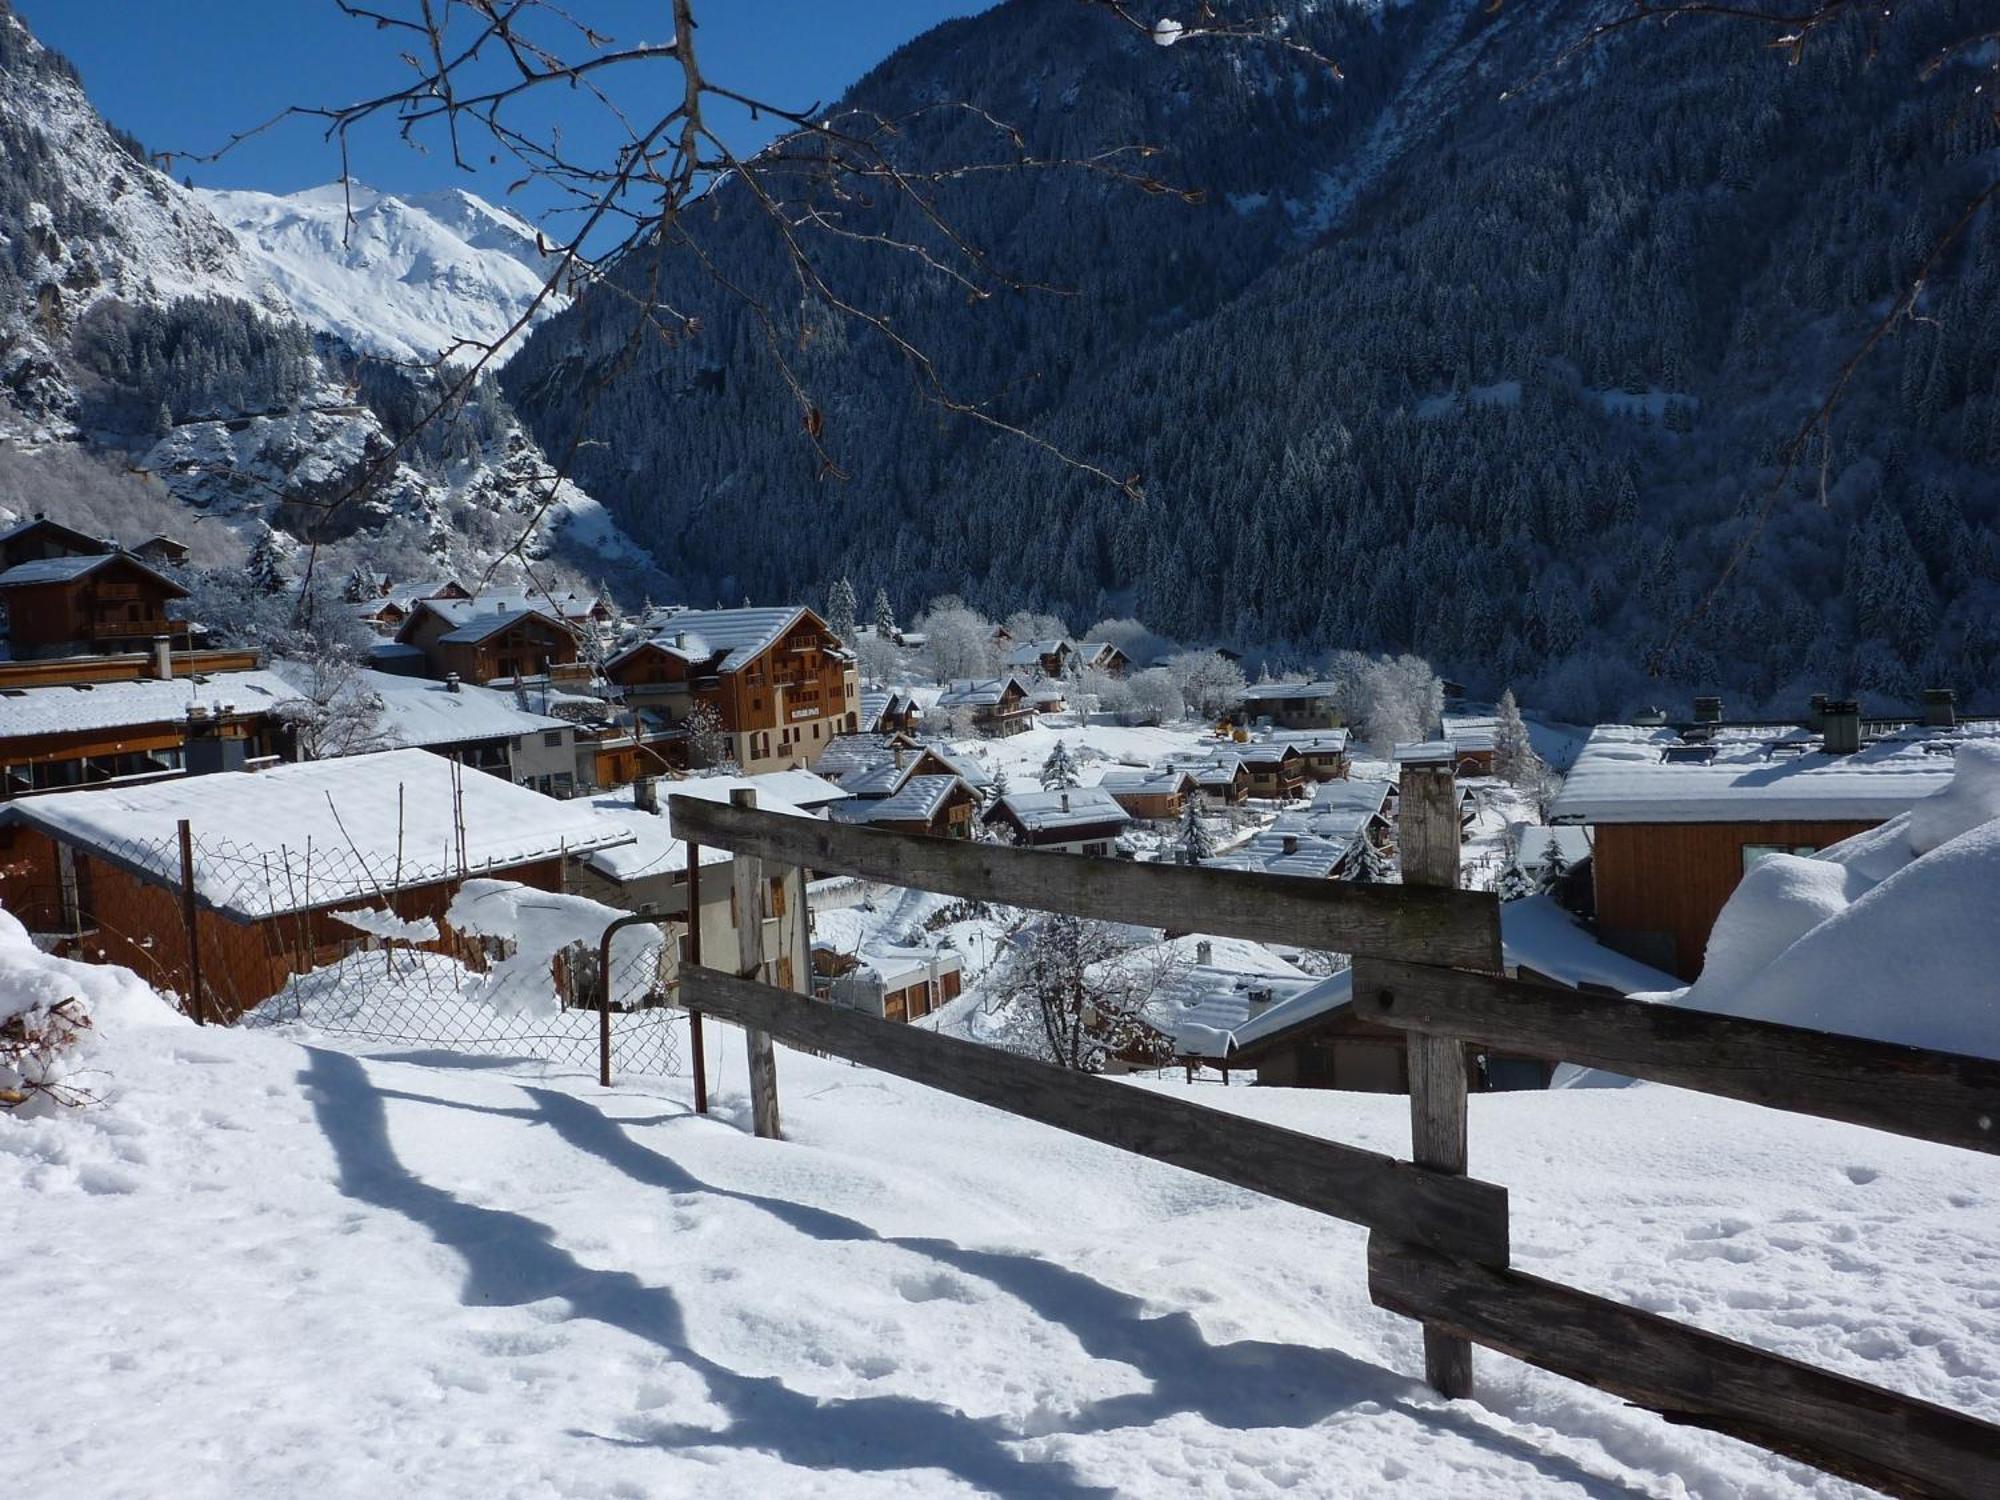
[[1861, 1176]]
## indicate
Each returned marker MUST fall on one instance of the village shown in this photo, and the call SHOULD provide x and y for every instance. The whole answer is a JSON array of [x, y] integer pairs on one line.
[[238, 826]]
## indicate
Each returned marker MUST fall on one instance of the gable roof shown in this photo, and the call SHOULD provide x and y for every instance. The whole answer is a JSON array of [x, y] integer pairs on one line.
[[65, 569], [117, 705], [1260, 692], [979, 692], [738, 636], [916, 801], [420, 712], [1160, 781], [319, 833], [69, 535], [1043, 812]]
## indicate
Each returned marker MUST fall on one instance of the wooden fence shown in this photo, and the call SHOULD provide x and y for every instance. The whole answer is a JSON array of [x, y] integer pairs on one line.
[[1427, 961]]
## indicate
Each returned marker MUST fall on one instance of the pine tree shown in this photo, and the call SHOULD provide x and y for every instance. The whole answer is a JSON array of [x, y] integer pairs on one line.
[[1194, 844], [1059, 770], [266, 569], [1512, 751], [1555, 869], [1370, 867], [1513, 883], [840, 607], [359, 587], [885, 617]]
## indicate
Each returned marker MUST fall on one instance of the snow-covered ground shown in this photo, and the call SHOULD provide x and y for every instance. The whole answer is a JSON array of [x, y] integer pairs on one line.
[[268, 1266]]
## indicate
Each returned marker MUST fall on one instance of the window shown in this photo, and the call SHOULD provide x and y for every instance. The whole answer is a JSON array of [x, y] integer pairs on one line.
[[552, 738], [1756, 854]]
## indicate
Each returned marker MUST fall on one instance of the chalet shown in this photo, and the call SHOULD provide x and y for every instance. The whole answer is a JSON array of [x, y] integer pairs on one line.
[[1048, 696], [1051, 658], [162, 551], [1349, 811], [640, 744], [1102, 656], [276, 855], [780, 682], [1290, 851], [1221, 782], [874, 765], [995, 705], [889, 982], [648, 872], [38, 539], [88, 604], [1293, 705], [885, 711], [1083, 820], [76, 729], [942, 806], [1322, 752], [1157, 796], [481, 645], [382, 615], [410, 595], [1676, 819], [1309, 1037], [1472, 739], [1276, 770], [475, 726]]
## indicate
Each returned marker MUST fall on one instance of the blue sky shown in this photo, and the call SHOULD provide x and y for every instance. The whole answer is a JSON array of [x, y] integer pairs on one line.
[[183, 75]]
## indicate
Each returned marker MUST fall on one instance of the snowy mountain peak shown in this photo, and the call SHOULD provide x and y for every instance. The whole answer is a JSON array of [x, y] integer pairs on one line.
[[399, 277]]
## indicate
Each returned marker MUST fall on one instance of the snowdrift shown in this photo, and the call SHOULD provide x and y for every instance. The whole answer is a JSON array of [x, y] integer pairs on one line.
[[1893, 934]]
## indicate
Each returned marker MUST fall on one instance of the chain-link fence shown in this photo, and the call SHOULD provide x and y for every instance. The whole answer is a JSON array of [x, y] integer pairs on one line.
[[367, 947]]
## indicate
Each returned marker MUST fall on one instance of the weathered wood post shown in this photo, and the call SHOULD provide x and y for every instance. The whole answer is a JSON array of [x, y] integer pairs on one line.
[[190, 917], [749, 887], [697, 1047], [1428, 838]]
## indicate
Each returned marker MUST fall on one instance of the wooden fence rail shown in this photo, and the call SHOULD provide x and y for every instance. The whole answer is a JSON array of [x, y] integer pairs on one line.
[[1436, 926], [1438, 1245], [1934, 1096], [1457, 1215]]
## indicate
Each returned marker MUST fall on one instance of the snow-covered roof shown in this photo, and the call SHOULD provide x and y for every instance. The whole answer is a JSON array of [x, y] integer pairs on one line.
[[116, 705], [43, 523], [917, 800], [298, 837], [1424, 752], [1534, 932], [1030, 653], [419, 713], [894, 965], [739, 635], [1634, 774], [1286, 852], [1265, 753], [978, 692], [1202, 1004], [485, 623], [873, 704], [1220, 771], [804, 789], [865, 764], [651, 847], [1367, 795], [1260, 692], [1161, 781], [1310, 741], [63, 569], [1082, 806], [1532, 842]]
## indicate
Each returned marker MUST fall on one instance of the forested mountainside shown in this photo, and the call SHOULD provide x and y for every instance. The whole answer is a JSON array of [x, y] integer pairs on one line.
[[152, 362], [1498, 379]]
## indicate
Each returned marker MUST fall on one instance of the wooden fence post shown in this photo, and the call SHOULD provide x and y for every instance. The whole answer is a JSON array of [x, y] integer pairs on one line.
[[697, 1046], [1428, 841], [749, 886], [190, 917]]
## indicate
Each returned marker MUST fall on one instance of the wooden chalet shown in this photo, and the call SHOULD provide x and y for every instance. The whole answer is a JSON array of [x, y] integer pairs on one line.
[[1048, 658], [464, 638], [1277, 771], [162, 551], [1157, 796], [894, 984], [39, 539], [1082, 820], [1102, 656], [885, 711], [1222, 782], [1677, 818], [1322, 752], [1294, 705], [781, 683], [276, 854], [996, 705], [88, 604], [940, 805]]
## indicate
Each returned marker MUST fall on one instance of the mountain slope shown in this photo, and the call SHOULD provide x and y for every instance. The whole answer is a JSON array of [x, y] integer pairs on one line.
[[1488, 377]]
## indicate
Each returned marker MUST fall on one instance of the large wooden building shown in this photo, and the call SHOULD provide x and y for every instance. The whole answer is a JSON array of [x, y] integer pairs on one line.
[[781, 683], [468, 639], [89, 604], [1677, 819]]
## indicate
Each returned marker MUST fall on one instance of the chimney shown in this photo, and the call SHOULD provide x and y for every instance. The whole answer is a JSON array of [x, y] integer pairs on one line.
[[1649, 718], [1065, 801], [1204, 952], [646, 794], [163, 657], [900, 756], [451, 682], [1816, 715], [1291, 843], [1940, 708], [680, 638], [211, 746], [1708, 710], [1840, 726]]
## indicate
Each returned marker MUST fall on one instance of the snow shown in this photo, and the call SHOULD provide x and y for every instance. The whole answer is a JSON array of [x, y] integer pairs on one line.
[[650, 846], [379, 921], [1893, 934], [270, 1266], [740, 634], [405, 278], [320, 833], [1623, 775], [117, 705], [1041, 811], [418, 712], [538, 925]]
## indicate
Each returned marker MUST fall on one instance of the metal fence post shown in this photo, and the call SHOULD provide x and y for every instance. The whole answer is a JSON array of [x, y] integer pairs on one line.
[[1428, 841], [750, 965], [191, 924]]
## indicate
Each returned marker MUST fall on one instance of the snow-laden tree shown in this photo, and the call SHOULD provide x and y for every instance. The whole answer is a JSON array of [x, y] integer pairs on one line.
[[879, 657], [840, 611], [1391, 699], [1085, 987], [1194, 843], [267, 569], [1514, 758], [1156, 697], [359, 586], [1028, 625], [1555, 869], [708, 742], [1059, 770], [1094, 690], [959, 640], [885, 617], [335, 713], [1210, 684], [1369, 866], [1514, 883]]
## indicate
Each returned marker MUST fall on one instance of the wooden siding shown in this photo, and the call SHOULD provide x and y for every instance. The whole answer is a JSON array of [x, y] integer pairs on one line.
[[1660, 886]]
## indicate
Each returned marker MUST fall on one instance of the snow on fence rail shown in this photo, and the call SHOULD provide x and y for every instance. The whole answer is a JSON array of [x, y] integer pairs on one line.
[[1438, 1243]]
